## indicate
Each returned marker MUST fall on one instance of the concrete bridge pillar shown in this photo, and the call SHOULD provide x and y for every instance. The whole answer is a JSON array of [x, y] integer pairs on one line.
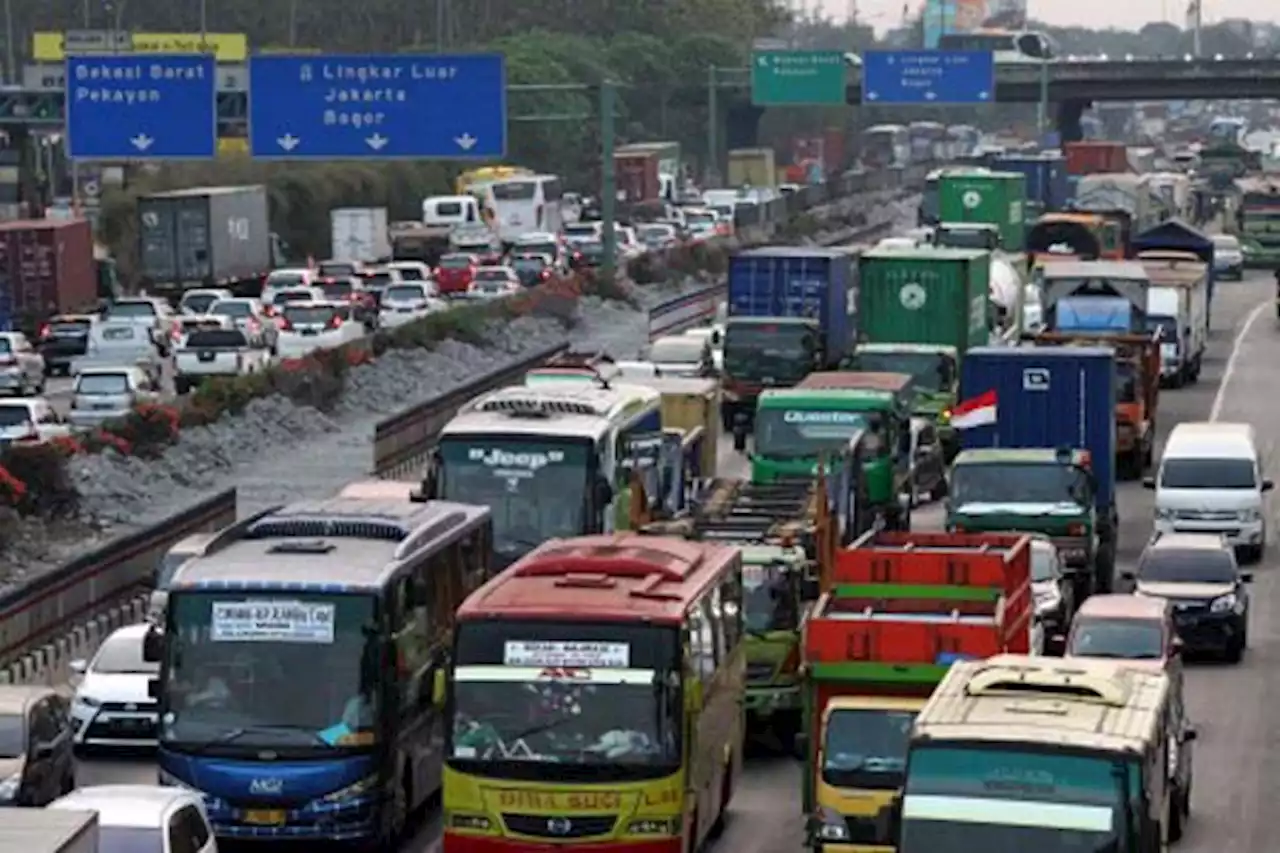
[[1069, 114]]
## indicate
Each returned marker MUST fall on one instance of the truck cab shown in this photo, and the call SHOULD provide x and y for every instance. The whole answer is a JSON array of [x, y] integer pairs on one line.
[[935, 373], [1035, 490], [864, 435]]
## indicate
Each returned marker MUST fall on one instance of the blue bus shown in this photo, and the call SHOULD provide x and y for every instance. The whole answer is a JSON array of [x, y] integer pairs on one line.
[[298, 658]]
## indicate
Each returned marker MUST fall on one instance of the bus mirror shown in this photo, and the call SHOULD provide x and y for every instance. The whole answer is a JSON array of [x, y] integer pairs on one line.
[[152, 646], [437, 688]]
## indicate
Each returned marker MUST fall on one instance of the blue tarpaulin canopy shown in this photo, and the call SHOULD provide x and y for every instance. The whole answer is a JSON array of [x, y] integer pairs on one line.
[[1175, 235]]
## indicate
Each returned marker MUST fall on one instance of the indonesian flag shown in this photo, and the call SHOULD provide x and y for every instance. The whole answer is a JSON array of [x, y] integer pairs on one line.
[[975, 412]]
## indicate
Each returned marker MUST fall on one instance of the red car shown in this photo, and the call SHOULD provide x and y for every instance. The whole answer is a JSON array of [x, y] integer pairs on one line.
[[455, 274]]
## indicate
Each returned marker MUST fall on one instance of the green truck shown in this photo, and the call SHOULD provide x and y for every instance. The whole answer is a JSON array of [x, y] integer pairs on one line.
[[919, 311], [993, 198], [1257, 221], [855, 420]]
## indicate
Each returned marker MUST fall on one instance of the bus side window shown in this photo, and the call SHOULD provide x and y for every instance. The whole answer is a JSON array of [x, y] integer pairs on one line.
[[411, 630], [731, 608], [701, 644], [475, 561], [444, 580]]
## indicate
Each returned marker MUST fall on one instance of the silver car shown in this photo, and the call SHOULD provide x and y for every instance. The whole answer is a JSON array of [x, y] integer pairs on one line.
[[250, 317], [103, 394], [21, 367], [120, 343], [146, 311]]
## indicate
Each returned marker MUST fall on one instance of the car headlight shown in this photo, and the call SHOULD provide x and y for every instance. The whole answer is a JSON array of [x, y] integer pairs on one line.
[[1226, 603], [651, 826], [830, 831], [470, 821], [355, 789], [9, 787], [1252, 514]]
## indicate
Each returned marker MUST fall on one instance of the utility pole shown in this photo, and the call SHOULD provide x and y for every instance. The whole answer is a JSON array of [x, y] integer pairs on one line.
[[608, 179], [712, 176], [1196, 12], [10, 57]]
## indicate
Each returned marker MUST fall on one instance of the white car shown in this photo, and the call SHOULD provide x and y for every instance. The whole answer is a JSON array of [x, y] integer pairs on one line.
[[198, 301], [494, 283], [30, 419], [250, 317], [309, 326], [408, 301], [287, 277], [144, 818], [411, 270], [21, 367], [147, 311], [111, 706], [216, 352], [275, 298], [681, 355], [1228, 256], [185, 324]]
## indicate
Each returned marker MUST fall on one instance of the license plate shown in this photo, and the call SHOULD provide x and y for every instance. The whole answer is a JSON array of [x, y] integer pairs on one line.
[[103, 407], [264, 817], [310, 332], [206, 356]]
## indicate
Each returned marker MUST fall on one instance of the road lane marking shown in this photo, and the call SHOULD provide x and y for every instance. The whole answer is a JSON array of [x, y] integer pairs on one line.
[[1236, 345]]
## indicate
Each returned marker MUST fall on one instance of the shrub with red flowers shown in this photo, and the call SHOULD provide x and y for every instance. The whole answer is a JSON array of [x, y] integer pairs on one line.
[[146, 431], [44, 485]]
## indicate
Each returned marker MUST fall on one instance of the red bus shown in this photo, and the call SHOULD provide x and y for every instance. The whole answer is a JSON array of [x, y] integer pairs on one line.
[[595, 699]]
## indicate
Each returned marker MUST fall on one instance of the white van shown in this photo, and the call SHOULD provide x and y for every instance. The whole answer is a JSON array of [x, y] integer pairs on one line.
[[451, 210], [1210, 481]]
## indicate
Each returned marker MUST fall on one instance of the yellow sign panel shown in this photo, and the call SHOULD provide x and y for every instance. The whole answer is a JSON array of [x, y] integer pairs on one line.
[[226, 47], [233, 146]]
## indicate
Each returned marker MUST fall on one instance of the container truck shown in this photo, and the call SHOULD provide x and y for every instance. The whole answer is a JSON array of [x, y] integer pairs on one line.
[[670, 165], [1046, 177], [205, 237], [996, 198], [1038, 437], [1094, 296], [1137, 358], [1126, 196], [47, 267], [48, 831], [919, 311], [637, 176], [791, 311], [900, 609], [752, 167], [1176, 235], [1089, 157], [359, 234]]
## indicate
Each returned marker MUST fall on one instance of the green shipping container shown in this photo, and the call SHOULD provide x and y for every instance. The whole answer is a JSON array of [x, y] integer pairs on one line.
[[996, 198], [924, 296]]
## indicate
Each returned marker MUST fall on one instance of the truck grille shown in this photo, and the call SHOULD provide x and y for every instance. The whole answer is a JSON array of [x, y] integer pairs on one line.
[[560, 826]]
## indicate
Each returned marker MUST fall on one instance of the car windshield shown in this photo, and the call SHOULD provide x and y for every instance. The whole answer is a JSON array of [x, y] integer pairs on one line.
[[102, 383], [1129, 639], [930, 371], [866, 748], [123, 655], [499, 276], [767, 601], [536, 490], [1043, 557], [540, 249], [404, 293], [678, 350], [612, 710], [1193, 565], [14, 415], [337, 269], [5, 345], [216, 339], [1018, 483], [309, 315], [411, 274], [130, 310], [199, 302], [284, 297], [129, 839], [529, 263], [237, 309], [289, 671], [455, 262], [1207, 474], [285, 279], [13, 735], [790, 433], [514, 191], [337, 289]]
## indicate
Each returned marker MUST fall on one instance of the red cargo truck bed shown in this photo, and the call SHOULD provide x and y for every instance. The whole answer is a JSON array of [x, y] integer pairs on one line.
[[50, 267]]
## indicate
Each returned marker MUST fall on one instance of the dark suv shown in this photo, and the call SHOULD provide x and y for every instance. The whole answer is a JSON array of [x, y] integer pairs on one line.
[[1198, 575]]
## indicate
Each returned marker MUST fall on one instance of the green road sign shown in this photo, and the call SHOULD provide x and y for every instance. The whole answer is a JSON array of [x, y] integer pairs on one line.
[[797, 77]]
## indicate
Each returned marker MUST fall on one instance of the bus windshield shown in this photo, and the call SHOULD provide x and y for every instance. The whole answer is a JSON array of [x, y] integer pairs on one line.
[[536, 488], [1006, 800], [286, 672], [802, 433], [599, 702]]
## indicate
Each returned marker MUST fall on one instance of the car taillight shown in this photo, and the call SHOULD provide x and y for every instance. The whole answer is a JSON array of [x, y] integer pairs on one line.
[[175, 332], [252, 324], [544, 275], [336, 322], [283, 324], [45, 330], [7, 361]]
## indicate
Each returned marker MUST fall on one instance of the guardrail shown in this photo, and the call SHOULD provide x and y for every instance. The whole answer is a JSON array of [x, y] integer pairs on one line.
[[43, 609]]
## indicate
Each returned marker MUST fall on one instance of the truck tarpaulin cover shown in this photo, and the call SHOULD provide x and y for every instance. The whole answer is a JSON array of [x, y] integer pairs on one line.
[[1178, 235], [1094, 314]]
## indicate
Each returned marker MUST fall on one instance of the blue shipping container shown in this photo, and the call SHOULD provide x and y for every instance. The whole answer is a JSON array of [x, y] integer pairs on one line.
[[1047, 397], [1046, 176], [793, 281]]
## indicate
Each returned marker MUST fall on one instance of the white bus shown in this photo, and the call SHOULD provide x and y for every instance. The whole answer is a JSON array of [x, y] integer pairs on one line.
[[551, 460], [1007, 45], [525, 204]]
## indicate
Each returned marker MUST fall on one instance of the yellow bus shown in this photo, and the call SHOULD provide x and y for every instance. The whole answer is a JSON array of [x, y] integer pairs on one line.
[[474, 180], [595, 699]]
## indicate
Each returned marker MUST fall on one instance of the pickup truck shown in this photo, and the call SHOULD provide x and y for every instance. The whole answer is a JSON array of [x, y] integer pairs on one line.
[[215, 352]]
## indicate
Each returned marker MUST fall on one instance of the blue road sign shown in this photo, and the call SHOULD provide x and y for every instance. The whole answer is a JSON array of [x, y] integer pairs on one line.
[[928, 77], [134, 107], [353, 107]]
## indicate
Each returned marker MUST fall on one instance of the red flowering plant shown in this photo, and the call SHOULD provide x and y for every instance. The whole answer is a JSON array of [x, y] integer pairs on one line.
[[148, 429]]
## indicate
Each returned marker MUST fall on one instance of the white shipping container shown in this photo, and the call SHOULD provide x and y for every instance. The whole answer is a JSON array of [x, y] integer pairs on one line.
[[359, 234]]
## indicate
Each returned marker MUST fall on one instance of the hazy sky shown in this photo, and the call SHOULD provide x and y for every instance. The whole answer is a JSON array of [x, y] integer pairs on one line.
[[1129, 14]]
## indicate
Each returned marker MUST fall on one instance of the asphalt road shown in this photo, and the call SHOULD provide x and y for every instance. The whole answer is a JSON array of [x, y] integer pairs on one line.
[[1237, 759]]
